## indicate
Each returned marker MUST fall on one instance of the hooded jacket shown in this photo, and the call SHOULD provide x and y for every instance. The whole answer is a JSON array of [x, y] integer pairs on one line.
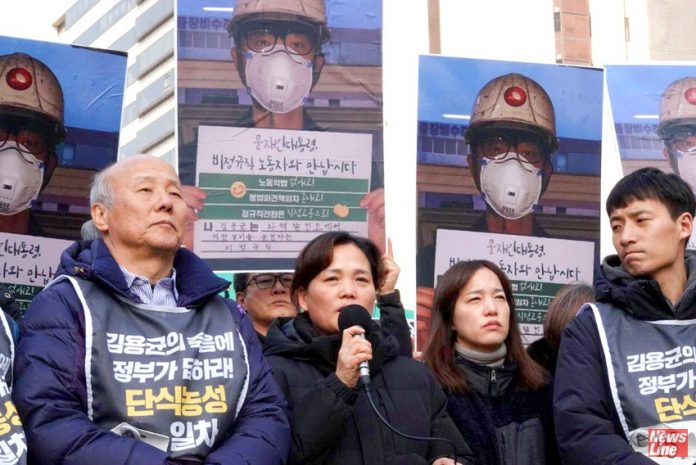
[[334, 424], [588, 428], [50, 387]]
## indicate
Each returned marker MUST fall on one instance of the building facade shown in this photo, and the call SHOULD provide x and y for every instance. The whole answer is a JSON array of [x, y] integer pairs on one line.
[[145, 29]]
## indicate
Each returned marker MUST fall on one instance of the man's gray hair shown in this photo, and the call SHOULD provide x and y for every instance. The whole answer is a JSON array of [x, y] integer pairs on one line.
[[101, 191]]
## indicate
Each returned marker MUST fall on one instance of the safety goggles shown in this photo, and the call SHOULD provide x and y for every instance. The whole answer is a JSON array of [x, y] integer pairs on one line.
[[683, 140], [262, 36], [31, 138], [529, 147], [268, 280]]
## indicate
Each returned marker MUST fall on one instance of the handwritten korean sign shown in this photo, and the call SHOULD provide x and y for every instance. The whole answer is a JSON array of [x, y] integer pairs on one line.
[[272, 191], [537, 267], [27, 264]]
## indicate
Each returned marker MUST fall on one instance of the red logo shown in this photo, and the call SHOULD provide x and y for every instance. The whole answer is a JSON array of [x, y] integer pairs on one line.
[[668, 443]]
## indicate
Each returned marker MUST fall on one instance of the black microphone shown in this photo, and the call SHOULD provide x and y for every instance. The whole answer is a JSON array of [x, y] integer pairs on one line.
[[357, 315], [353, 315]]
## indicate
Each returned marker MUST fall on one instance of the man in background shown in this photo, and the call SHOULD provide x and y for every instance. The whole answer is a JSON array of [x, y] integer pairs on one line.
[[265, 297]]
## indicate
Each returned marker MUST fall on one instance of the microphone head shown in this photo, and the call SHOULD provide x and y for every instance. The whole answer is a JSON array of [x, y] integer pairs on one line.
[[352, 315]]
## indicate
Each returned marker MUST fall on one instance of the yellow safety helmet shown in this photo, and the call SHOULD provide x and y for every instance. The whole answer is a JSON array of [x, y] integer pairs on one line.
[[311, 11], [28, 88], [513, 101], [677, 106]]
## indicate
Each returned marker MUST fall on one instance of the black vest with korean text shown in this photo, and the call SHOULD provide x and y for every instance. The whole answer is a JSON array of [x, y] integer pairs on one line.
[[652, 376], [13, 444], [174, 378]]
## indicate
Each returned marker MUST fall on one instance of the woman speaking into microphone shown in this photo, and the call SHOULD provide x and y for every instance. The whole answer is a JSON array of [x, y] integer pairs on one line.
[[317, 366]]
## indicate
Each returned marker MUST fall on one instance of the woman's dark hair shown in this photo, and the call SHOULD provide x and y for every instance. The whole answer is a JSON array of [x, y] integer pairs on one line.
[[563, 308], [317, 255], [439, 351]]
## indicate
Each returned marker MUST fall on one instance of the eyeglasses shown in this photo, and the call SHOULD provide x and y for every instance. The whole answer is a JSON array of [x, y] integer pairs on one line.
[[268, 280], [298, 38], [683, 140], [527, 146], [30, 138]]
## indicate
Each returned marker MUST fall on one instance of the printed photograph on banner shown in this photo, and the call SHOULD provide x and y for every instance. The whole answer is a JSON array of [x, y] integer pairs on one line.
[[654, 111], [506, 148], [59, 124], [280, 126], [537, 267]]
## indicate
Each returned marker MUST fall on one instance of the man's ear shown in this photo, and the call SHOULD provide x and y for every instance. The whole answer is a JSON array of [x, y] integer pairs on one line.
[[686, 224], [475, 170], [671, 160], [302, 298], [239, 63], [240, 298], [49, 168], [547, 171], [317, 66], [100, 216]]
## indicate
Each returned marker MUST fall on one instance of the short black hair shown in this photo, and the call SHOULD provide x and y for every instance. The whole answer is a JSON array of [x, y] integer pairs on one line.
[[317, 255], [241, 281], [652, 184]]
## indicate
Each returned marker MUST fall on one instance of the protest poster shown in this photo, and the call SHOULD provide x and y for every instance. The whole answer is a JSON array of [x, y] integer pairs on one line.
[[28, 264], [654, 112], [61, 125], [537, 267], [269, 192], [218, 85], [555, 110]]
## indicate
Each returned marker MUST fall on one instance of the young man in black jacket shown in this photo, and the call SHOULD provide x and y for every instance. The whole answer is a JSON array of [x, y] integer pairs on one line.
[[625, 386]]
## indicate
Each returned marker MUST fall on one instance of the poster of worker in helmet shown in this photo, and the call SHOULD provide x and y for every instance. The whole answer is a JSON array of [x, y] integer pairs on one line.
[[280, 126], [59, 124], [654, 111], [509, 158]]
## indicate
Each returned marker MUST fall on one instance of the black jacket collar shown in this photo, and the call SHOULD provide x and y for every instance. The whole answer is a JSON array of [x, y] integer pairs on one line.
[[642, 297], [296, 338]]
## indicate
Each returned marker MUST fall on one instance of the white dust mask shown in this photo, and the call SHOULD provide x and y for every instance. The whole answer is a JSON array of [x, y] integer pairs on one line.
[[686, 164], [278, 80], [510, 186], [21, 177]]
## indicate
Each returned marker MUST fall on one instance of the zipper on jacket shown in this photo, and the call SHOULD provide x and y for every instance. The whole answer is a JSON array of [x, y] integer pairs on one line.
[[493, 382]]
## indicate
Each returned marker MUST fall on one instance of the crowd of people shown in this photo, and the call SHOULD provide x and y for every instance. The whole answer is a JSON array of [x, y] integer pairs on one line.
[[131, 355]]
